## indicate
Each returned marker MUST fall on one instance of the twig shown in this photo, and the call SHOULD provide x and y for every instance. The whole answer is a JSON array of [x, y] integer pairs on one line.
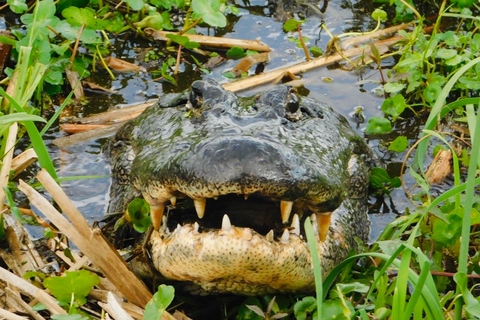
[[300, 36], [211, 41], [31, 290], [90, 242], [250, 82]]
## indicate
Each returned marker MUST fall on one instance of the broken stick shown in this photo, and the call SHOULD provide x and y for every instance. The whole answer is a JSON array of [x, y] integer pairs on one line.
[[90, 242], [208, 41]]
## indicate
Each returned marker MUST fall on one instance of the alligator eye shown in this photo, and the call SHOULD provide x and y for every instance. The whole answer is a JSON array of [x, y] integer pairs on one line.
[[293, 102], [196, 95]]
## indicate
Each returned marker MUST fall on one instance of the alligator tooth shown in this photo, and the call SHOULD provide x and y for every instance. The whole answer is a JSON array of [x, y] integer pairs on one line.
[[164, 223], [296, 224], [196, 226], [178, 227], [313, 218], [226, 224], [156, 214], [323, 221], [285, 210], [270, 236], [215, 198], [285, 236], [246, 196], [173, 200], [200, 207]]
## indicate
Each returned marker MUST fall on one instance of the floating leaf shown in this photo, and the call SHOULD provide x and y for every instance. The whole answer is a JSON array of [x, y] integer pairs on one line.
[[316, 51], [235, 53], [399, 144], [378, 125], [292, 24]]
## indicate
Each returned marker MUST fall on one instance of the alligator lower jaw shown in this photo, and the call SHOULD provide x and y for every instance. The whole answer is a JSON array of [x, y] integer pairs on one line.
[[234, 260]]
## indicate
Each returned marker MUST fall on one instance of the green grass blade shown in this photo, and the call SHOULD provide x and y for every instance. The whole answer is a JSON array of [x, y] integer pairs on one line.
[[437, 109], [19, 117], [468, 204], [317, 267], [35, 137]]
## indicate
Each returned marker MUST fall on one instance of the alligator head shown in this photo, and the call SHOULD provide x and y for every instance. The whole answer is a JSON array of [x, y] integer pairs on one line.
[[230, 182]]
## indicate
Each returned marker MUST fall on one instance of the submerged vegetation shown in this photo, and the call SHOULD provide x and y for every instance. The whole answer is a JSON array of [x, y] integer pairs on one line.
[[425, 264]]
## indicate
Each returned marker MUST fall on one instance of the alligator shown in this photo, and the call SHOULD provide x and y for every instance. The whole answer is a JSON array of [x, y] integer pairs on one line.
[[231, 181]]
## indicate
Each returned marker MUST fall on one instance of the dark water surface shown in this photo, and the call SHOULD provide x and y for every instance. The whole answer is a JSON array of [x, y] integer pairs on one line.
[[345, 91]]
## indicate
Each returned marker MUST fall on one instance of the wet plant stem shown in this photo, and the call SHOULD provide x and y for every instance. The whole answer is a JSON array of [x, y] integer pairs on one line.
[[179, 55], [104, 63], [190, 26], [72, 58], [305, 50]]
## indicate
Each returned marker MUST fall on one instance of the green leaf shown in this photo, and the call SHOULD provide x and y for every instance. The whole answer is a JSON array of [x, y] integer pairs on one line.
[[316, 51], [78, 16], [379, 14], [393, 87], [18, 6], [139, 213], [446, 53], [160, 301], [210, 11], [470, 83], [333, 309], [235, 53], [135, 4], [292, 24], [448, 234], [394, 106], [304, 308], [183, 41], [77, 283], [399, 144], [245, 311], [71, 32], [153, 20], [63, 4], [378, 125]]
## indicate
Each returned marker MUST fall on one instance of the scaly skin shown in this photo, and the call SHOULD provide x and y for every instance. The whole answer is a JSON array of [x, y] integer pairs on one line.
[[282, 152]]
